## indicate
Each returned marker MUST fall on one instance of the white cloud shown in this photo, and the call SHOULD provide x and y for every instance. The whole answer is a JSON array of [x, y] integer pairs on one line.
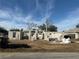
[[10, 19], [9, 25], [6, 24], [4, 14], [70, 22], [45, 10]]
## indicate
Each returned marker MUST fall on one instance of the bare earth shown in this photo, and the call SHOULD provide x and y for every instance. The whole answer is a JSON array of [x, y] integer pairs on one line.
[[39, 46]]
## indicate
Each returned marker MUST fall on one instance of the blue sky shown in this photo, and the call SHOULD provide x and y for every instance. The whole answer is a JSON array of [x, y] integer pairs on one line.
[[17, 13]]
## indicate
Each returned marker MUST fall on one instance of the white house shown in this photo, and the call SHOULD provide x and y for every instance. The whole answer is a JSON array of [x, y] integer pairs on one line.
[[42, 35], [15, 34]]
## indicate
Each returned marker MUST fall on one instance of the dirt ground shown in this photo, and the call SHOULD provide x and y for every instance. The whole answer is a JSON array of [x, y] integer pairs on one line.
[[39, 46]]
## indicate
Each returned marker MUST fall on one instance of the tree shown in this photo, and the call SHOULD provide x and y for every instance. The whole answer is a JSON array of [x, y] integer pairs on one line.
[[49, 28], [4, 38], [42, 27], [77, 26], [52, 28]]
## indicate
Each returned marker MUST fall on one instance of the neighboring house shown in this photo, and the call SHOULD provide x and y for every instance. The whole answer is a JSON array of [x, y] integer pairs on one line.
[[15, 34], [73, 32]]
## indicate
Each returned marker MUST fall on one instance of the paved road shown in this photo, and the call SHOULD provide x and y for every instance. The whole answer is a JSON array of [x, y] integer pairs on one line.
[[39, 55]]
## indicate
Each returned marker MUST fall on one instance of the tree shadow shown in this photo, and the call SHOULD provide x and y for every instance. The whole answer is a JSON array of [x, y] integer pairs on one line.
[[3, 42], [14, 46]]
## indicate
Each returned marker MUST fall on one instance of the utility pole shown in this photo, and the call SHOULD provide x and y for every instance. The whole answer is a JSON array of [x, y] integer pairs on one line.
[[46, 29], [46, 25], [29, 31], [29, 28]]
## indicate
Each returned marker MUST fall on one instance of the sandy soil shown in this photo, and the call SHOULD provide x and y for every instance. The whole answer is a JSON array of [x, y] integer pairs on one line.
[[39, 46]]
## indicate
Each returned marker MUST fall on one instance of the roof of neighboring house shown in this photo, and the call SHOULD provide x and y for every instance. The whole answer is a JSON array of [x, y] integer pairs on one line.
[[15, 30], [75, 30]]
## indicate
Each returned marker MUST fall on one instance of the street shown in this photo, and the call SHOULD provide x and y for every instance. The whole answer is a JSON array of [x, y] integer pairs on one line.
[[39, 55]]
